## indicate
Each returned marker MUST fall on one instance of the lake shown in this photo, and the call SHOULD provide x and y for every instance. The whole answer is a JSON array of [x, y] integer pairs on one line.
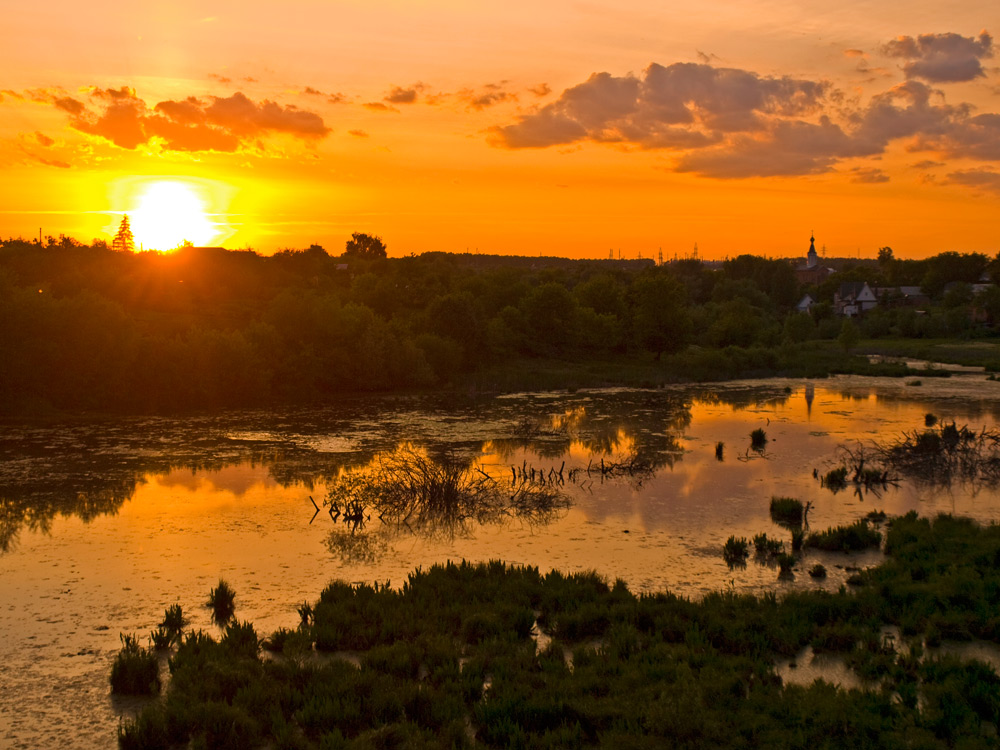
[[105, 524]]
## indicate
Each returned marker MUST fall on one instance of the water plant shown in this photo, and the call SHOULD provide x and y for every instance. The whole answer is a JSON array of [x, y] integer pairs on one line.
[[851, 538], [222, 602], [758, 439], [136, 670], [736, 551], [173, 619], [930, 420], [817, 571], [647, 669], [785, 563], [787, 511], [767, 547], [835, 479], [719, 448]]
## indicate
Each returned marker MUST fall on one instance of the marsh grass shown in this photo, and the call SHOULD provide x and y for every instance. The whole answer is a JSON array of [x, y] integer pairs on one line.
[[758, 440], [407, 488], [222, 602], [855, 537], [136, 670], [447, 661], [787, 511], [736, 551]]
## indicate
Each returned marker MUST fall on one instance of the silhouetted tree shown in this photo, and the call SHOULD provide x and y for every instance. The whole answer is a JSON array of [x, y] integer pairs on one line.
[[124, 242], [365, 246]]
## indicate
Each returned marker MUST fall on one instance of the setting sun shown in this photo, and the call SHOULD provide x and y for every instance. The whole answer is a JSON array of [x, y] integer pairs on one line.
[[168, 213]]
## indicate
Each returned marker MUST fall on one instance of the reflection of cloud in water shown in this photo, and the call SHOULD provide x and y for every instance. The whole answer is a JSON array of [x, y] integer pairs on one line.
[[238, 479]]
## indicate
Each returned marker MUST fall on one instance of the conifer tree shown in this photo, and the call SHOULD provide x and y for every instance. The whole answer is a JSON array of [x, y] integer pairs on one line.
[[124, 242]]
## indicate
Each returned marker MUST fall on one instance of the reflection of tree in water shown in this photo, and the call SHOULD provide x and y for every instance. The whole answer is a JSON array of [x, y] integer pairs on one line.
[[632, 429], [408, 491]]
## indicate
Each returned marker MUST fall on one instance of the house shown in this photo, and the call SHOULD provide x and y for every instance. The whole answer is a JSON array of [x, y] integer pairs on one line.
[[854, 298], [805, 304]]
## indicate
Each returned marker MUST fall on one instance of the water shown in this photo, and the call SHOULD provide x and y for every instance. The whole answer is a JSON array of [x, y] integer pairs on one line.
[[104, 525]]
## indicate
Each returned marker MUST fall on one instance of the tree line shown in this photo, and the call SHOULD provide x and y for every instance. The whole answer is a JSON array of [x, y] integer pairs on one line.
[[84, 327]]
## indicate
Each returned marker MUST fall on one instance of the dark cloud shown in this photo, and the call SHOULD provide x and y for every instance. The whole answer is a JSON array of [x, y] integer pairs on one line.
[[701, 99], [220, 78], [358, 133], [379, 107], [984, 179], [730, 123], [928, 164], [336, 98], [942, 58], [400, 95], [311, 91], [192, 124], [43, 140], [541, 90], [868, 175], [491, 94]]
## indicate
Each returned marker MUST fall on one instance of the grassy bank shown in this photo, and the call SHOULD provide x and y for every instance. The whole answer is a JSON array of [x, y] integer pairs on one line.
[[449, 661]]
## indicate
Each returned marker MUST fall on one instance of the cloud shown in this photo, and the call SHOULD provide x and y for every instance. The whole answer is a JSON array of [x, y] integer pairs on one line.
[[490, 95], [358, 133], [220, 78], [43, 140], [399, 95], [868, 175], [984, 179], [210, 124], [855, 53], [942, 58], [541, 90], [379, 107], [701, 100], [731, 123]]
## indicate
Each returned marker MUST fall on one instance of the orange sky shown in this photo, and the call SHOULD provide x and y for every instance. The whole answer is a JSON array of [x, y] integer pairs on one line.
[[566, 128]]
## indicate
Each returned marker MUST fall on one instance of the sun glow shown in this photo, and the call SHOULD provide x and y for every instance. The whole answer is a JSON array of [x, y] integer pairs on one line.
[[169, 213]]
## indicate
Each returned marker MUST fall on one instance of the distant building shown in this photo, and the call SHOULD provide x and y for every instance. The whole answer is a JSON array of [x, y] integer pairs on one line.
[[812, 272], [854, 298], [805, 304]]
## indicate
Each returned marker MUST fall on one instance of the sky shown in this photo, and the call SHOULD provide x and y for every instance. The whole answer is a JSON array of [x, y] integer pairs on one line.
[[577, 129]]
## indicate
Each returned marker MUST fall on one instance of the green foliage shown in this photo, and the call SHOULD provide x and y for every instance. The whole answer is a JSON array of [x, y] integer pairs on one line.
[[222, 602], [666, 671], [787, 511], [136, 670], [853, 538]]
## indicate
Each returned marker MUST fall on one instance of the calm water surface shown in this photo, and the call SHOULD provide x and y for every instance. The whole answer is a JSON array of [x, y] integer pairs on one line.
[[102, 526]]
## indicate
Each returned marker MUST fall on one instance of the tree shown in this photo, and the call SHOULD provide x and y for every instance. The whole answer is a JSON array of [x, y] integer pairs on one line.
[[849, 335], [365, 246], [124, 242]]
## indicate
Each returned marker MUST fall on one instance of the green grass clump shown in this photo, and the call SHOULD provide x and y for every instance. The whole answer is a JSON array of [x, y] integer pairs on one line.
[[767, 547], [136, 670], [787, 511], [736, 551], [853, 538], [222, 602]]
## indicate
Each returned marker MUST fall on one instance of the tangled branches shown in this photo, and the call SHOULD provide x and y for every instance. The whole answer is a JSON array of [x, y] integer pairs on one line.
[[407, 488], [946, 453]]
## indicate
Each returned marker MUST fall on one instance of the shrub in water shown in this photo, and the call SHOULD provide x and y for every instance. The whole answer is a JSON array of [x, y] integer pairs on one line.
[[787, 511], [222, 602], [817, 571], [767, 547], [785, 563], [758, 439], [136, 670], [835, 479], [736, 551], [173, 619]]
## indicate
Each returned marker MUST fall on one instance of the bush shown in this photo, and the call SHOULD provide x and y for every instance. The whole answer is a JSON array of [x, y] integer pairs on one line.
[[787, 511], [222, 602], [136, 670], [854, 538]]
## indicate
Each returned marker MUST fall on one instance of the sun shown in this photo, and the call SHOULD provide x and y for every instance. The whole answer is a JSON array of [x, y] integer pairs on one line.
[[169, 213]]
